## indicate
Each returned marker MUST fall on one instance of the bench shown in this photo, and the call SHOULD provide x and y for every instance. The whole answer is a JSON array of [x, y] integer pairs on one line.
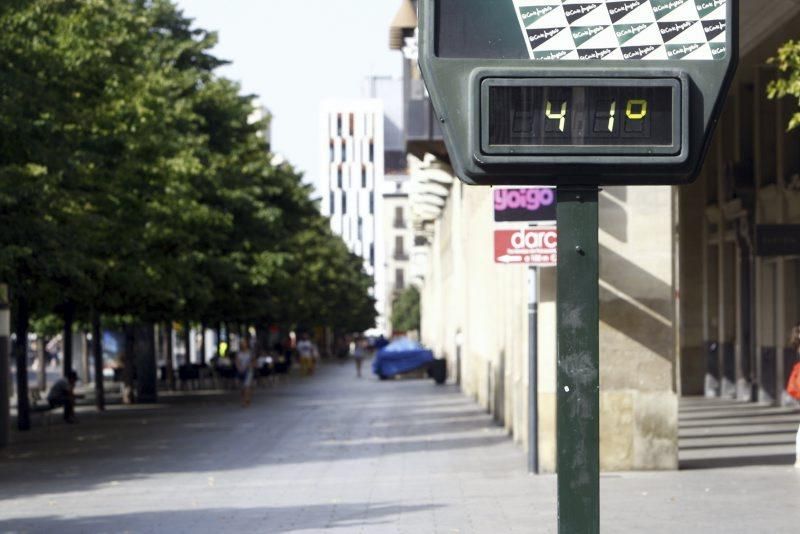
[[40, 406]]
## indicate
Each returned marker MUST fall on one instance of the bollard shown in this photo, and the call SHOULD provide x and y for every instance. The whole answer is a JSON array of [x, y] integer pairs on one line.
[[797, 449]]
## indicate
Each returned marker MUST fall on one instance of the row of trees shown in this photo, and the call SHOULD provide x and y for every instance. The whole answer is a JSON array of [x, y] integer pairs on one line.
[[134, 186]]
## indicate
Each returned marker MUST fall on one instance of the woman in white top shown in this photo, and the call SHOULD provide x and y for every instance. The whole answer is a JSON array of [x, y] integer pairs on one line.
[[244, 372]]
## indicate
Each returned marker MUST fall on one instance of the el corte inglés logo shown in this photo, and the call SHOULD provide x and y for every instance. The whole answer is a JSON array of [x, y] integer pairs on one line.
[[624, 30]]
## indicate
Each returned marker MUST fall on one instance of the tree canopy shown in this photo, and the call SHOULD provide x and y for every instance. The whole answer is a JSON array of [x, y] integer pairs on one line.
[[788, 85], [406, 311], [134, 182]]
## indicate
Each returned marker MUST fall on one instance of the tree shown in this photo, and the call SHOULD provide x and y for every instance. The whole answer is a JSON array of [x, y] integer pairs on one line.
[[134, 186], [788, 63], [406, 310]]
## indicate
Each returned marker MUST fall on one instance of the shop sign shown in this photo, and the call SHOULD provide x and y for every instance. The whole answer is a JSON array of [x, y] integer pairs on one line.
[[525, 205], [532, 247]]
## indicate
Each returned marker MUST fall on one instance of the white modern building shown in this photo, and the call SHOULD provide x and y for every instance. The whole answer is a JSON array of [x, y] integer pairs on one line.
[[351, 181], [261, 113]]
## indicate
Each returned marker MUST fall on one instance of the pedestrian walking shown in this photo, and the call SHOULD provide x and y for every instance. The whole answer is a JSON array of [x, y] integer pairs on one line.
[[308, 353], [794, 340], [793, 387], [62, 394], [358, 349], [244, 372]]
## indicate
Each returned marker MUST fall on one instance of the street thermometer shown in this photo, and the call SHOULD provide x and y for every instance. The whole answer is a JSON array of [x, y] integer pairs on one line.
[[556, 92], [578, 94]]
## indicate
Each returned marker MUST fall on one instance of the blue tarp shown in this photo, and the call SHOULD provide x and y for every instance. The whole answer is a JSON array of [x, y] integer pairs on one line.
[[401, 356]]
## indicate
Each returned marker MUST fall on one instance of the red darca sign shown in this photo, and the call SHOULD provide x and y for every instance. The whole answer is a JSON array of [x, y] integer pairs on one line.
[[527, 246]]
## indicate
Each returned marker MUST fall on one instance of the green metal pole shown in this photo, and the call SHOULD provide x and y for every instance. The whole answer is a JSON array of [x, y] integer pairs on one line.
[[578, 394]]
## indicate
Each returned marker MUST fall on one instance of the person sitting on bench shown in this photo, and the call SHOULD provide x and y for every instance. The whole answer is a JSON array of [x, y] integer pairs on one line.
[[63, 394]]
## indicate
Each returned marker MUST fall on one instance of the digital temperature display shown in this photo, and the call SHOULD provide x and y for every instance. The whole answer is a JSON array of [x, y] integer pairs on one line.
[[544, 116]]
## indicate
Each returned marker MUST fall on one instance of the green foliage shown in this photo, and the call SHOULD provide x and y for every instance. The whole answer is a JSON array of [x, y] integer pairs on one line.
[[406, 311], [788, 63], [133, 183]]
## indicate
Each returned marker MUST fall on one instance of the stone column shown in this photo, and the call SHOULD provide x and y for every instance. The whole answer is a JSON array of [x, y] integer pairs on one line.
[[639, 404]]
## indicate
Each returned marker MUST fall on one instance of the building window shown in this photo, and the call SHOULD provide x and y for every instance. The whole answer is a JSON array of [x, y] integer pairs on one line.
[[339, 124], [372, 152], [372, 255], [333, 151], [352, 124], [344, 202], [364, 176], [360, 228], [372, 203], [399, 279], [340, 176], [332, 203], [344, 150], [399, 248], [399, 220]]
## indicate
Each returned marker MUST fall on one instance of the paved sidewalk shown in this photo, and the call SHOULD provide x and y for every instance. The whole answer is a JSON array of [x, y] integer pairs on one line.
[[335, 453]]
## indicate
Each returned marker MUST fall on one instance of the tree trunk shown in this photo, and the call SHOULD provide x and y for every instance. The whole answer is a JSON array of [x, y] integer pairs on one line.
[[5, 371], [21, 355], [146, 364], [169, 360], [97, 350], [86, 349], [41, 356], [128, 363], [69, 319], [202, 343], [219, 339], [187, 342]]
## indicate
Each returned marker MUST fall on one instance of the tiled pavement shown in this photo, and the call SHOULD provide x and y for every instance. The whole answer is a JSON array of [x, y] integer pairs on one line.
[[335, 453]]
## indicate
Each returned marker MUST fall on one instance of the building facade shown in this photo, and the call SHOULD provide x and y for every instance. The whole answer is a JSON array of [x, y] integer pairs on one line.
[[351, 181], [692, 301], [740, 293], [398, 234], [396, 228]]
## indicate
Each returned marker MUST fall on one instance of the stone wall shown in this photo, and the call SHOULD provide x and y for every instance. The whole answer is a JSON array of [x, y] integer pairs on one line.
[[476, 310]]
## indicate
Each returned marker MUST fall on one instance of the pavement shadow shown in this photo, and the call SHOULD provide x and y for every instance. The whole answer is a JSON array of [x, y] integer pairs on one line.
[[719, 434], [737, 461], [259, 519], [323, 419]]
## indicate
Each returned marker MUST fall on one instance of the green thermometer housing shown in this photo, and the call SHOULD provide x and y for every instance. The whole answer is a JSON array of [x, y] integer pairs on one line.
[[564, 92]]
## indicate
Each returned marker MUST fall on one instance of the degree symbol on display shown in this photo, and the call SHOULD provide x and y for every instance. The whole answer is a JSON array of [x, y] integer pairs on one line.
[[641, 113]]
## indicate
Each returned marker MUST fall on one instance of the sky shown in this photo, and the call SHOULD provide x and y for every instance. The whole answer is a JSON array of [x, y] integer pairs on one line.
[[293, 54]]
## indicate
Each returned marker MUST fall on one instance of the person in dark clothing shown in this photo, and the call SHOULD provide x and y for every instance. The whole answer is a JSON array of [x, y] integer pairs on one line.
[[63, 394]]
